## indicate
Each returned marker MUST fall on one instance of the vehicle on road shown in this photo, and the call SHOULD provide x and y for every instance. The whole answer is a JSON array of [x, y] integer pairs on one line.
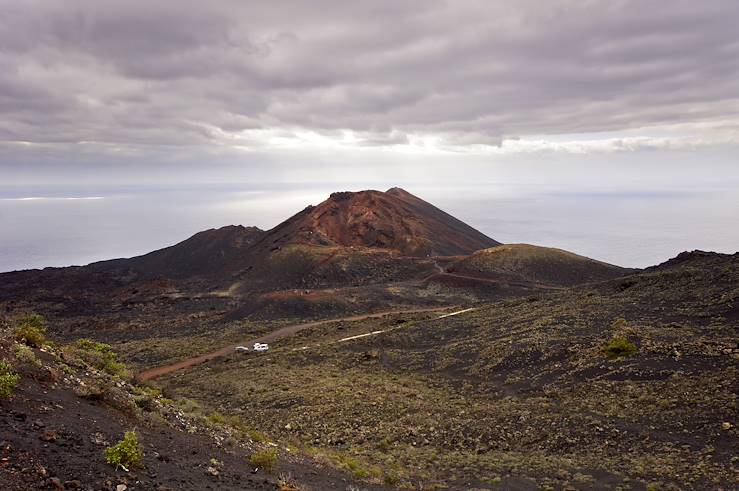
[[261, 346], [241, 349]]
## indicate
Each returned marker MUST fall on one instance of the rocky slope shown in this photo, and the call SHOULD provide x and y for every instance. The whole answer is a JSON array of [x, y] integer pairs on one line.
[[211, 252], [69, 406], [394, 220]]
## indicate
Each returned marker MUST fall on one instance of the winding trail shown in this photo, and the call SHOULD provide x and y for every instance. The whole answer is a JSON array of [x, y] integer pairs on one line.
[[282, 332]]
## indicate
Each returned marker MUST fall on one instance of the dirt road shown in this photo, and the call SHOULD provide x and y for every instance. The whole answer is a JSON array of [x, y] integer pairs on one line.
[[153, 373]]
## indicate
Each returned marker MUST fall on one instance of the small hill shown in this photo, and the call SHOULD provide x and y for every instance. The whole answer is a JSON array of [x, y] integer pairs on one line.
[[536, 264], [689, 259], [207, 252], [394, 220]]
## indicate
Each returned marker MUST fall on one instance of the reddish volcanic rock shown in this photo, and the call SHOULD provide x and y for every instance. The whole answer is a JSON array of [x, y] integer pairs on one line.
[[391, 220]]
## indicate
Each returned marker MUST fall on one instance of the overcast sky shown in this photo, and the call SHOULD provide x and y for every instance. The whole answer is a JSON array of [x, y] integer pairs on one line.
[[613, 101]]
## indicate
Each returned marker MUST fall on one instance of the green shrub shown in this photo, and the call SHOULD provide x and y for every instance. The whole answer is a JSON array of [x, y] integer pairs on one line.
[[145, 396], [31, 330], [216, 418], [385, 445], [8, 380], [148, 389], [265, 459], [619, 346], [145, 402], [491, 480], [619, 323], [100, 355], [90, 345], [189, 406], [257, 436], [25, 354], [125, 454], [346, 462]]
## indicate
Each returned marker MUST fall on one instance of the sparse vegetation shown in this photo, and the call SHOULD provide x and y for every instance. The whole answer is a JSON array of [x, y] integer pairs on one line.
[[355, 466], [100, 355], [25, 354], [126, 454], [619, 346], [468, 395], [437, 402], [257, 436], [31, 330], [264, 459], [492, 480], [216, 418], [8, 380], [90, 345], [145, 402]]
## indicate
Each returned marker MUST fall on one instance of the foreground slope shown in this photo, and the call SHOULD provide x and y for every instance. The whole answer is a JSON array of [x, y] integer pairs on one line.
[[68, 407], [628, 382]]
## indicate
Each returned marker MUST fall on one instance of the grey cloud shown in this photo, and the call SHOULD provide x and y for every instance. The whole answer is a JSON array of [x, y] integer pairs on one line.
[[173, 72]]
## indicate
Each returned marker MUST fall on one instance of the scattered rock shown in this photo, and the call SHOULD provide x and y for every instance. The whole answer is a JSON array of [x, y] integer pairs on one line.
[[91, 392], [121, 487], [56, 483], [48, 436], [99, 439]]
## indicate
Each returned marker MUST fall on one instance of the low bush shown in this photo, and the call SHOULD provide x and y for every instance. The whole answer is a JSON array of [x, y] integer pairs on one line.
[[90, 345], [100, 355], [619, 346], [145, 402], [24, 354], [31, 330], [257, 436], [346, 462], [264, 459], [189, 406], [125, 454], [8, 380], [216, 418]]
